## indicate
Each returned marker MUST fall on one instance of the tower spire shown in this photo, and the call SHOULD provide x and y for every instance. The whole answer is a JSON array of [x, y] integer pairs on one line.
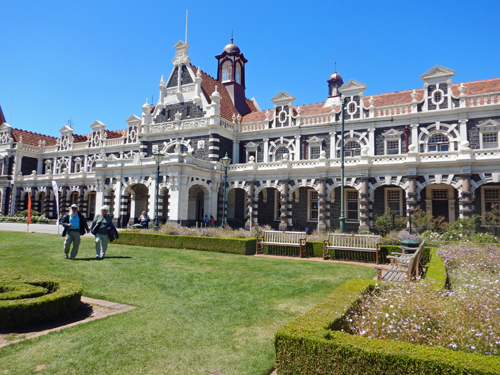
[[231, 36]]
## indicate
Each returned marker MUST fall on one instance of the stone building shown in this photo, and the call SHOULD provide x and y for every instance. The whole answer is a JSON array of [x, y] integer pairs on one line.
[[434, 148]]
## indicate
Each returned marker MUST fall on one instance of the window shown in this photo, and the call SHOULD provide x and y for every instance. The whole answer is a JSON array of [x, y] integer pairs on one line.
[[439, 143], [282, 118], [437, 97], [352, 205], [312, 204], [238, 73], [278, 155], [392, 147], [171, 149], [440, 195], [227, 71], [352, 148], [394, 201], [314, 152], [352, 108], [491, 199], [490, 140]]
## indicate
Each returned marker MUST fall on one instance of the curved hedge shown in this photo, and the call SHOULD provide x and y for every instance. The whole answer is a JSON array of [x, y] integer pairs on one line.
[[26, 301]]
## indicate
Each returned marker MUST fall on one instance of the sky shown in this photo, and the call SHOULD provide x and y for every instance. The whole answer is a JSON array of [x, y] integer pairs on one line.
[[99, 60]]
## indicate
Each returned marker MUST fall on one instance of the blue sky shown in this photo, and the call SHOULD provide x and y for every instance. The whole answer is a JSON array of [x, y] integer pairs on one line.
[[99, 60]]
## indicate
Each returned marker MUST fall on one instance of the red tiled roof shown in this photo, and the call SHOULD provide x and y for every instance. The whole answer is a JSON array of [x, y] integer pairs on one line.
[[478, 87], [79, 138], [31, 138], [227, 108], [111, 134], [393, 98]]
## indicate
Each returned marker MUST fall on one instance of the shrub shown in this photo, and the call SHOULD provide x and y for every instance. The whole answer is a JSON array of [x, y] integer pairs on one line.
[[26, 301], [423, 221], [222, 245], [25, 213], [387, 222]]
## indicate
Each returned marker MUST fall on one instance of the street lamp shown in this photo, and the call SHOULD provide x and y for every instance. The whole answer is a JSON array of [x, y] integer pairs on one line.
[[342, 209], [225, 163], [158, 158]]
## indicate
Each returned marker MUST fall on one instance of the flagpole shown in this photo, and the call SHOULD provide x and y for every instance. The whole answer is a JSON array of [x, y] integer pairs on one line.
[[29, 208]]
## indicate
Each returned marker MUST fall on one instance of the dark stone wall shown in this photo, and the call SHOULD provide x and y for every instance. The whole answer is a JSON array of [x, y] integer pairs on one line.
[[335, 215], [225, 145], [430, 90], [299, 211], [201, 153], [473, 131], [28, 164], [173, 79], [266, 210], [188, 110], [325, 145], [240, 206], [378, 203], [185, 76], [380, 139]]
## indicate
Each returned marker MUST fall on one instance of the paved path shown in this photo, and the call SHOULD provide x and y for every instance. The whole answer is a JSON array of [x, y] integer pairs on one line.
[[33, 228]]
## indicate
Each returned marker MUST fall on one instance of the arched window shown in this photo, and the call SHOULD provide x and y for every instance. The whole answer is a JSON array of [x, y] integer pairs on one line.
[[227, 71], [238, 74], [438, 142], [278, 155], [352, 148]]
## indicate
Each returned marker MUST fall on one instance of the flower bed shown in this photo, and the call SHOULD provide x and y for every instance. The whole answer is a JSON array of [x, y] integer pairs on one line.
[[317, 342]]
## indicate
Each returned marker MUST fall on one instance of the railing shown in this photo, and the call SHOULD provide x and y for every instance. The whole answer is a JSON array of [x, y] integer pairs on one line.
[[254, 126], [482, 99], [386, 159], [393, 110], [26, 147], [433, 156], [487, 154], [114, 142], [203, 163], [80, 145], [226, 124], [316, 119]]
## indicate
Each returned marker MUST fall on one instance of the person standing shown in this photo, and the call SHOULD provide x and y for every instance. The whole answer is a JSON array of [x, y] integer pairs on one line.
[[75, 225], [144, 220], [206, 221], [100, 227], [212, 221]]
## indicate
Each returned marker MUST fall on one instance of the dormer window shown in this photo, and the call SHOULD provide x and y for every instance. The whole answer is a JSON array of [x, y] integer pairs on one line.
[[438, 97], [392, 147], [438, 143], [227, 71], [314, 147], [352, 108]]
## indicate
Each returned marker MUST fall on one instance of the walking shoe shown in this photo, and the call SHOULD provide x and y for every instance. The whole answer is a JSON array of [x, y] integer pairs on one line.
[[65, 256]]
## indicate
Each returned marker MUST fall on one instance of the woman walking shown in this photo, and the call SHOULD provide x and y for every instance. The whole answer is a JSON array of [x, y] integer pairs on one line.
[[100, 227]]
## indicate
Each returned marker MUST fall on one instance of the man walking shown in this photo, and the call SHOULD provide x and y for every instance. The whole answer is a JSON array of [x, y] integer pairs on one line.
[[75, 225]]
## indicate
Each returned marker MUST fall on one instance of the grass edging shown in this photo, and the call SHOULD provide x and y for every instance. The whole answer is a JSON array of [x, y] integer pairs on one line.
[[314, 344], [63, 297], [245, 246]]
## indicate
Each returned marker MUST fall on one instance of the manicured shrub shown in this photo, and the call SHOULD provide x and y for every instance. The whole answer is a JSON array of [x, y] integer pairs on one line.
[[244, 246], [26, 301]]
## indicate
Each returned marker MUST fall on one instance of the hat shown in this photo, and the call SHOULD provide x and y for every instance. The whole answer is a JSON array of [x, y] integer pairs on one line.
[[105, 208], [74, 206]]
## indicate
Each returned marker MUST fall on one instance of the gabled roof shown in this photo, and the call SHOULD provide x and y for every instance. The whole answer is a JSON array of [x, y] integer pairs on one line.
[[2, 117]]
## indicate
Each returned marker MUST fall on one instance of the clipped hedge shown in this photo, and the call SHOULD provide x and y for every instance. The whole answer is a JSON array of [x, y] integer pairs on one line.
[[313, 344], [27, 301], [244, 246], [436, 270]]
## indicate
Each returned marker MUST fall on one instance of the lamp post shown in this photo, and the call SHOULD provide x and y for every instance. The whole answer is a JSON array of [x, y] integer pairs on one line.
[[342, 208], [158, 158], [225, 163]]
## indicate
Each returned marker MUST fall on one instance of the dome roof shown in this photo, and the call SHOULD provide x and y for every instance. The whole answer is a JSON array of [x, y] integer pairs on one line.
[[336, 77], [231, 48]]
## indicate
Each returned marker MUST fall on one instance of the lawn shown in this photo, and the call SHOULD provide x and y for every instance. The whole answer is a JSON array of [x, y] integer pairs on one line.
[[197, 312]]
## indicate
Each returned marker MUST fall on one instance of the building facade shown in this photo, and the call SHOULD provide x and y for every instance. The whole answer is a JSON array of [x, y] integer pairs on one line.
[[433, 148]]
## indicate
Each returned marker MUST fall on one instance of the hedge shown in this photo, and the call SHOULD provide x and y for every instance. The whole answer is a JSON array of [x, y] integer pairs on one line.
[[313, 344], [27, 301], [244, 246]]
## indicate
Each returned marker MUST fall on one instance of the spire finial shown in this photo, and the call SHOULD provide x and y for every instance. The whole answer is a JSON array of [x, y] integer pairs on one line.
[[335, 66], [231, 36]]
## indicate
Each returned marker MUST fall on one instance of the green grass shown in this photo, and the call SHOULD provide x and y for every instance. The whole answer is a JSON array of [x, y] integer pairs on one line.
[[197, 312]]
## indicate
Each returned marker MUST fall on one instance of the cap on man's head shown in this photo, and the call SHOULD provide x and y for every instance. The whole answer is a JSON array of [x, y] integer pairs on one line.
[[105, 208], [74, 206]]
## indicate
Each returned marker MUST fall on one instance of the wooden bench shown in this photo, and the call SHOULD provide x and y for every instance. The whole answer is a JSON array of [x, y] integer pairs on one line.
[[402, 267], [403, 259], [352, 242], [279, 238]]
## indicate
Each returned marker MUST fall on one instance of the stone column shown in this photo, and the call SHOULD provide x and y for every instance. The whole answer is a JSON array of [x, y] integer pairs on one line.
[[107, 202], [322, 205], [466, 202], [250, 212], [266, 150], [63, 204], [19, 202], [412, 195], [364, 206], [123, 210], [284, 205]]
